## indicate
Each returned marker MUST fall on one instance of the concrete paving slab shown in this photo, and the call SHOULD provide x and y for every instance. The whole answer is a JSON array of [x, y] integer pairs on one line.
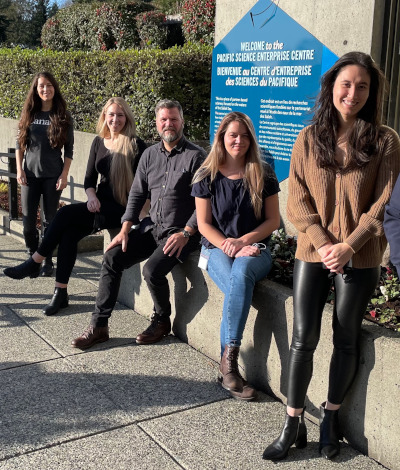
[[39, 291], [88, 266], [8, 241], [84, 277], [59, 330], [153, 380], [231, 435], [48, 403], [11, 253], [121, 449], [19, 344]]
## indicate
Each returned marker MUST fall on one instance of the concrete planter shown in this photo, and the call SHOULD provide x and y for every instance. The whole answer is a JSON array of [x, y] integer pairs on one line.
[[15, 229]]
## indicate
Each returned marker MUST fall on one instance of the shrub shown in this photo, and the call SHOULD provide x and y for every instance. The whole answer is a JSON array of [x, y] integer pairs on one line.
[[283, 249], [198, 21], [170, 7], [152, 29], [142, 77], [94, 26]]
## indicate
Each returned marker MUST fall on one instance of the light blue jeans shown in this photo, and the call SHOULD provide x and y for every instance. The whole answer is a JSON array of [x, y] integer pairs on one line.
[[236, 278]]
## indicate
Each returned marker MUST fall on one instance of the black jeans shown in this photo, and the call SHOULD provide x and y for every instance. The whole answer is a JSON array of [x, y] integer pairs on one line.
[[71, 224], [310, 291], [30, 200], [140, 247]]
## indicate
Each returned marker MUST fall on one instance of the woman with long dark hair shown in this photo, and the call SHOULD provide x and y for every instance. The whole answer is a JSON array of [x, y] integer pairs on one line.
[[237, 210], [342, 172], [114, 155], [44, 129]]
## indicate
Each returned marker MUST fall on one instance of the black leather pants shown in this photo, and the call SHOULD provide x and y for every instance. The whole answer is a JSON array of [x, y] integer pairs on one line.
[[310, 291]]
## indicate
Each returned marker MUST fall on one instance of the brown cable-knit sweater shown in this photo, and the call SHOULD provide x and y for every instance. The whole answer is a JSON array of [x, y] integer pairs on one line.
[[342, 206]]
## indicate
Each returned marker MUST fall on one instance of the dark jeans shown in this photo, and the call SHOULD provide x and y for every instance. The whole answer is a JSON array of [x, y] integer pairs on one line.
[[71, 224], [140, 247], [30, 200], [310, 291]]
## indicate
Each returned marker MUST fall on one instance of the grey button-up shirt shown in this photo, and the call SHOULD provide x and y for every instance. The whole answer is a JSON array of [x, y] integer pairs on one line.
[[166, 178]]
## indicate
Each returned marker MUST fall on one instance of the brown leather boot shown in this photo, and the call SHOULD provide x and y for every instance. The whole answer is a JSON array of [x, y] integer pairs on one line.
[[91, 336], [248, 393], [230, 377], [158, 328]]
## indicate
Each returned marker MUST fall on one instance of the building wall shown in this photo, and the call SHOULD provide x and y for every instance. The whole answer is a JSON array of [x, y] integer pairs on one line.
[[342, 26]]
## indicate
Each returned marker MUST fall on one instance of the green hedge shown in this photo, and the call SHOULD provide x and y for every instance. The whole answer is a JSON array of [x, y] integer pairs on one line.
[[142, 77]]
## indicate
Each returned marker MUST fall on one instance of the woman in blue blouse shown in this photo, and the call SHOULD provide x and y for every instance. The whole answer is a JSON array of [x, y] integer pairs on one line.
[[237, 210]]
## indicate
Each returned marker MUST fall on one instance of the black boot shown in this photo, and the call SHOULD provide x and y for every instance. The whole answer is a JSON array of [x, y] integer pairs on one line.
[[27, 268], [294, 432], [47, 267], [329, 434], [59, 300]]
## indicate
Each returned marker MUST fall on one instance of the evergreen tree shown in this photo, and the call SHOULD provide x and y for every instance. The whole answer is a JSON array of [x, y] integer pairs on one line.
[[52, 10], [38, 19], [4, 22], [18, 16]]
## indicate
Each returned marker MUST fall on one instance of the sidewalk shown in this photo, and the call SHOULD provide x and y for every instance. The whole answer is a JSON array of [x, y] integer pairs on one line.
[[120, 405]]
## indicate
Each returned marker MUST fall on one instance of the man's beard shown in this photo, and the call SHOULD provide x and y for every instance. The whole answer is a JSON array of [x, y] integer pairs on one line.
[[171, 135]]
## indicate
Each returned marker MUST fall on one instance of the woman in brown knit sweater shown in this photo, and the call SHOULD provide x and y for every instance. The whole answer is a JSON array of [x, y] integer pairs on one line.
[[343, 169]]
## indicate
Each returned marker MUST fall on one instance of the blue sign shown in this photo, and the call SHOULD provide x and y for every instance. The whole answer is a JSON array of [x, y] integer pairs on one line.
[[269, 67]]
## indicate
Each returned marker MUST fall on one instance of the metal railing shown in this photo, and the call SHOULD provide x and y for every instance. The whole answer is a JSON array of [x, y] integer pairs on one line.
[[11, 174], [12, 184]]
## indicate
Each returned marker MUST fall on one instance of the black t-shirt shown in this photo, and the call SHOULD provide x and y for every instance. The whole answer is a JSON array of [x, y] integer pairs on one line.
[[232, 211], [99, 163], [41, 159]]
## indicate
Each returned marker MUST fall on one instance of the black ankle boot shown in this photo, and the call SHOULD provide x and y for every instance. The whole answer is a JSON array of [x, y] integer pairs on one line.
[[294, 432], [27, 268], [329, 434], [47, 267], [59, 300]]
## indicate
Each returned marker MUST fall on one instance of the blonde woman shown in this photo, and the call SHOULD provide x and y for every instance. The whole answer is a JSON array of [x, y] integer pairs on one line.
[[237, 210], [114, 155]]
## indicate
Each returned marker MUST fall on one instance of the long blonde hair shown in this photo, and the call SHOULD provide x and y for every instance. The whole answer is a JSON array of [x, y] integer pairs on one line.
[[124, 153], [254, 169]]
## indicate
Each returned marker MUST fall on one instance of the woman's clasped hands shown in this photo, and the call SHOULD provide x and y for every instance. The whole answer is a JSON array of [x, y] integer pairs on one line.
[[235, 248], [335, 256]]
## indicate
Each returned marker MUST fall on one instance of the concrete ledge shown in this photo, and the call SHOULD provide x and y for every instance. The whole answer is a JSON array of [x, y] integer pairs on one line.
[[370, 415], [15, 229]]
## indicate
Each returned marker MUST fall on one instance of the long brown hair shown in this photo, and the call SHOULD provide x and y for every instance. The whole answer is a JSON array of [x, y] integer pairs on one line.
[[125, 151], [254, 169], [363, 138], [59, 118]]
